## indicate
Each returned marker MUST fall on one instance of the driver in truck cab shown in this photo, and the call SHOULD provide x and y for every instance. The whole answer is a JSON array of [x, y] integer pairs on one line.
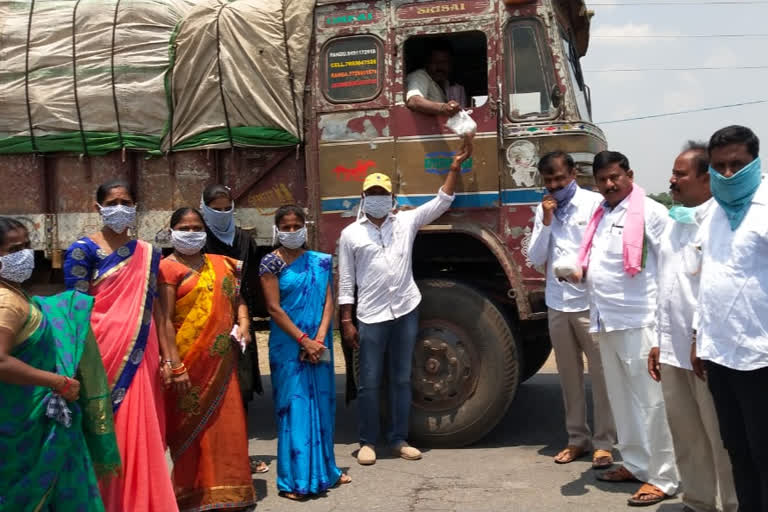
[[375, 255], [429, 90]]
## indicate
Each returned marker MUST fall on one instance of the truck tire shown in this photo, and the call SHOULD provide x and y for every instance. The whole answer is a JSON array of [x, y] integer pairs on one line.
[[466, 366]]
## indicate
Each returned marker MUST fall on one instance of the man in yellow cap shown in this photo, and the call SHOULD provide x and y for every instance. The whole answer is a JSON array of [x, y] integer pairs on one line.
[[375, 255]]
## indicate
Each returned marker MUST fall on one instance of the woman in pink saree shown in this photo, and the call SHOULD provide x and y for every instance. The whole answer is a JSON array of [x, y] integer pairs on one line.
[[121, 274]]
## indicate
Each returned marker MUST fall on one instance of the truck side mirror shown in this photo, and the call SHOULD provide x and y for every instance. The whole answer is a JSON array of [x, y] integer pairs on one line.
[[556, 96]]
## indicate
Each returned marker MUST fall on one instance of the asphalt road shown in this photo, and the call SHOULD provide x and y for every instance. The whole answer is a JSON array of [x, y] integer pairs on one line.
[[510, 470]]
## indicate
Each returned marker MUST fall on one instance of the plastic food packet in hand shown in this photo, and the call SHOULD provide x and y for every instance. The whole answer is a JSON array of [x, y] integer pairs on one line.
[[235, 335], [566, 267], [462, 124]]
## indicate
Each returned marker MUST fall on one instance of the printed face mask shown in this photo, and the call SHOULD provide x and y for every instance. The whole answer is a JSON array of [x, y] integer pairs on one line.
[[118, 218], [377, 207], [292, 239], [188, 242], [17, 266]]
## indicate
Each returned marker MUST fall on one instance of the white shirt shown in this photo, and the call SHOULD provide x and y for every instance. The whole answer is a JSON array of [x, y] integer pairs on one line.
[[679, 274], [618, 301], [419, 83], [733, 298], [378, 261], [562, 240]]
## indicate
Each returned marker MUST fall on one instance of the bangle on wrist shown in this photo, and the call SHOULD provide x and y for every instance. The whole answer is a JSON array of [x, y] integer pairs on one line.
[[303, 337], [64, 387], [180, 369], [346, 320]]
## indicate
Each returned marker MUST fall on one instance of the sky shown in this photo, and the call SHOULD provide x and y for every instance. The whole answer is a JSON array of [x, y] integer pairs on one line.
[[652, 145]]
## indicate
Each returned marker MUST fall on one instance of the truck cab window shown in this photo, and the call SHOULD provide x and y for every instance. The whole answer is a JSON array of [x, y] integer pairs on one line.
[[352, 71], [577, 79], [530, 75], [448, 67]]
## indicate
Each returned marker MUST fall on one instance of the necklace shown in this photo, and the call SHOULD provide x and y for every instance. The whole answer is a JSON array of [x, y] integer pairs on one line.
[[289, 256], [195, 267]]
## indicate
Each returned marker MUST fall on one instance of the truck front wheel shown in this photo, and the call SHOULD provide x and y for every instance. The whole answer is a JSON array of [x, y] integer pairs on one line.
[[466, 365]]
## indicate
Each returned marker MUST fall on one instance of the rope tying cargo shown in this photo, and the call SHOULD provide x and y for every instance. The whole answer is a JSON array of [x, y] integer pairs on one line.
[[32, 139], [112, 71], [221, 78], [74, 78]]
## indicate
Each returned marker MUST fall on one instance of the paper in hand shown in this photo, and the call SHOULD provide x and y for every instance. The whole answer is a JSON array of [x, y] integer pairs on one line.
[[235, 335]]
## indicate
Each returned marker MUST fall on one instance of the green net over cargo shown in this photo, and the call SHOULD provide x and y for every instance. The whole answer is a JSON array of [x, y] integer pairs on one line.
[[95, 76]]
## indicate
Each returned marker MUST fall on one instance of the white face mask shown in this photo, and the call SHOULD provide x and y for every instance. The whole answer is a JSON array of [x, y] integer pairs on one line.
[[291, 239], [377, 207], [188, 242], [17, 266], [118, 218]]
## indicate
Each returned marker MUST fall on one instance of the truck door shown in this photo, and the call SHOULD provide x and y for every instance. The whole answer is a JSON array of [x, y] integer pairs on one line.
[[350, 119], [424, 146], [530, 128]]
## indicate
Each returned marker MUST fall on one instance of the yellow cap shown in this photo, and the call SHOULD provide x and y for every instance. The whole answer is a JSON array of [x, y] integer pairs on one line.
[[377, 180]]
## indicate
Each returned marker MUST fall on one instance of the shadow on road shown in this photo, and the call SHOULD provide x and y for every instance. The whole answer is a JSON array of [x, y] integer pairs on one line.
[[535, 417]]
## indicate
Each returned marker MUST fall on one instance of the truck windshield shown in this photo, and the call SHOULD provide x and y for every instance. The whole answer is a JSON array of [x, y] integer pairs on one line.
[[529, 72], [577, 79]]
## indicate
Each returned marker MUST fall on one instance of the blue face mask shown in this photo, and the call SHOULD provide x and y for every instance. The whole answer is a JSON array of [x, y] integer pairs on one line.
[[563, 198], [683, 214], [735, 194], [221, 224]]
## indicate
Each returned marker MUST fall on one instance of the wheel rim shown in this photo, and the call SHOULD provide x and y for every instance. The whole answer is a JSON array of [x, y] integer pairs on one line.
[[445, 366]]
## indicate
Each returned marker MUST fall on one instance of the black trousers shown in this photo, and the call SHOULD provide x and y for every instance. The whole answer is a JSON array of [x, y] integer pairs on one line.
[[741, 400]]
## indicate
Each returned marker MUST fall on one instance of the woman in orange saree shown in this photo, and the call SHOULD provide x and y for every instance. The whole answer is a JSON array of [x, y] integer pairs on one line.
[[206, 420], [121, 275]]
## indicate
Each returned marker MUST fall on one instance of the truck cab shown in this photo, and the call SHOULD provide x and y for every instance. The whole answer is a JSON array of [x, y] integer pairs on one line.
[[483, 317]]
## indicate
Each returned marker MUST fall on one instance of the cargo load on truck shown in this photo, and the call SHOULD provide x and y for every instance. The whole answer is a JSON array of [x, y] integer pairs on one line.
[[96, 76]]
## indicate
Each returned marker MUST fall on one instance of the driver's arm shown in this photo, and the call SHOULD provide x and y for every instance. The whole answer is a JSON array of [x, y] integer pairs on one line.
[[416, 97]]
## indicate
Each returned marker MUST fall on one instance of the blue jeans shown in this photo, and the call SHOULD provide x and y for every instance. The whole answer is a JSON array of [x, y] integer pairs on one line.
[[390, 341]]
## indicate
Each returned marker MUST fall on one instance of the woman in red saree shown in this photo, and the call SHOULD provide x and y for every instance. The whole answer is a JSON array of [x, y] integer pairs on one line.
[[121, 275], [206, 432]]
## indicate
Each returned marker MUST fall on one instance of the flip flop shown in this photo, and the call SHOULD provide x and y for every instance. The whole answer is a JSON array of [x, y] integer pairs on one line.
[[569, 454], [647, 490], [293, 496], [343, 480], [620, 474], [602, 459], [258, 466]]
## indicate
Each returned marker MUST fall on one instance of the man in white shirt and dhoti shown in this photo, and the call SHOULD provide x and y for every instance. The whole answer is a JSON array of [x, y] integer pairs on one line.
[[703, 463], [619, 256], [732, 317]]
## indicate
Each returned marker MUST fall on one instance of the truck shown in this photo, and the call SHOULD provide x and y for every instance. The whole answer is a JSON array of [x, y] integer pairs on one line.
[[290, 101]]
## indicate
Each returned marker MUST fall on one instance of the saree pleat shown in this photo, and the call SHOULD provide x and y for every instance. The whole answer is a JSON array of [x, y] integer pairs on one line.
[[46, 464], [206, 425], [304, 393]]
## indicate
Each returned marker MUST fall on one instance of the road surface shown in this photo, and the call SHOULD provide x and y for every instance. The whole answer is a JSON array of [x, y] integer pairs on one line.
[[510, 470]]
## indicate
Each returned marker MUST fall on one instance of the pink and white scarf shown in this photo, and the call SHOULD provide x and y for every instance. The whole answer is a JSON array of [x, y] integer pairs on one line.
[[633, 236]]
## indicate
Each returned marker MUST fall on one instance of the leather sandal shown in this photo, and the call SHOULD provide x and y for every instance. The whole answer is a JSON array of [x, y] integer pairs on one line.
[[602, 459], [656, 496], [620, 474], [569, 454], [293, 496]]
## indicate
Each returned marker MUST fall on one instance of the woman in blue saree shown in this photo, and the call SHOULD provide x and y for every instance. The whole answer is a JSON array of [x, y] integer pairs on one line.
[[56, 429], [297, 289]]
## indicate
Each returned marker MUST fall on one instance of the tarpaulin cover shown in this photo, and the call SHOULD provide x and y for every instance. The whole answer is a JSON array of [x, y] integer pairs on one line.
[[94, 76]]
